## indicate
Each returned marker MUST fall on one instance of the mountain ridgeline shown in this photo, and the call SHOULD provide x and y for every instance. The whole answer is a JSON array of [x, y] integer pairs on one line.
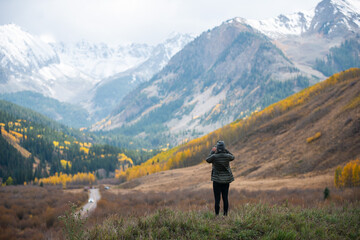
[[313, 130], [183, 87], [224, 74]]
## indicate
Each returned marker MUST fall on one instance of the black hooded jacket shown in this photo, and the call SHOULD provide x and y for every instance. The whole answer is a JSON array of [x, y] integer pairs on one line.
[[221, 171]]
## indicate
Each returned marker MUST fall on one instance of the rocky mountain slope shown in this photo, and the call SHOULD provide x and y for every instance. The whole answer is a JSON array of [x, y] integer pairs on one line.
[[220, 76], [336, 18], [235, 65], [111, 90]]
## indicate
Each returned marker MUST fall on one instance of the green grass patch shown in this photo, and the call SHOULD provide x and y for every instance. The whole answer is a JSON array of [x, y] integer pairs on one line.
[[250, 221]]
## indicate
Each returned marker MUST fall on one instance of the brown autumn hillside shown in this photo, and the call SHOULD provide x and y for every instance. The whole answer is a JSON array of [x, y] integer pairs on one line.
[[318, 130], [281, 147]]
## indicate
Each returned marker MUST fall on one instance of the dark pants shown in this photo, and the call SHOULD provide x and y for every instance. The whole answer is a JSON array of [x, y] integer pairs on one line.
[[223, 189]]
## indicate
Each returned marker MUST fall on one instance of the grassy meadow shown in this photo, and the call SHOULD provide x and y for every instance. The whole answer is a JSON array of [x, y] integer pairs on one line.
[[249, 221], [188, 214]]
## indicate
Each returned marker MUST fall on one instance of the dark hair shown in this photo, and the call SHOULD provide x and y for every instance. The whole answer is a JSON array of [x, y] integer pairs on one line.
[[220, 146]]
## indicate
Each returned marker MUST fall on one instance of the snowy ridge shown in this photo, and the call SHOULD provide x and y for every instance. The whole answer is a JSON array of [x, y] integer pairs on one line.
[[348, 7], [291, 24], [301, 22], [28, 63], [20, 51], [351, 10], [103, 61], [71, 72]]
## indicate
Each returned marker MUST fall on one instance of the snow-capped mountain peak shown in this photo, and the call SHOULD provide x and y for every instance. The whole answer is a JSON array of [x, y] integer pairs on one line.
[[22, 52], [28, 63], [336, 18], [348, 7]]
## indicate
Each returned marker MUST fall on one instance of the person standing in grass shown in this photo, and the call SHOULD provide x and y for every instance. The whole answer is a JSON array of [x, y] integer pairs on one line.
[[221, 174]]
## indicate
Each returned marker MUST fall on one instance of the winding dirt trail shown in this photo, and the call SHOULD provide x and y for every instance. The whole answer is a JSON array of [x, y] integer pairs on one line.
[[90, 206]]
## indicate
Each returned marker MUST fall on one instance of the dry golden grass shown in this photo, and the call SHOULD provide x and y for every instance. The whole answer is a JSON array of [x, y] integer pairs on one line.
[[278, 147]]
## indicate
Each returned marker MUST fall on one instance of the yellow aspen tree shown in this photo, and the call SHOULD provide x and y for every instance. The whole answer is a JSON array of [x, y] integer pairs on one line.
[[346, 175], [356, 173], [337, 179]]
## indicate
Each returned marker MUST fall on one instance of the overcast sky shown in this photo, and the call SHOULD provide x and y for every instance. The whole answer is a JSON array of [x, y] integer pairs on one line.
[[141, 21]]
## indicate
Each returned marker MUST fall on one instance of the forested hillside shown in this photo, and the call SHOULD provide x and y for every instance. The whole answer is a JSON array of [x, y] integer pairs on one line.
[[340, 58], [13, 164], [52, 148]]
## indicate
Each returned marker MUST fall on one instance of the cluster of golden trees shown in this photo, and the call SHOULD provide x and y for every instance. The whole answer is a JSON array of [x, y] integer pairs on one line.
[[64, 163], [64, 179], [123, 158], [84, 147], [195, 151], [18, 131], [349, 175]]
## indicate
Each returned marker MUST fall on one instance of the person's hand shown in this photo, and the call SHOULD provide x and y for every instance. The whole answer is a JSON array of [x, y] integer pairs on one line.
[[213, 149]]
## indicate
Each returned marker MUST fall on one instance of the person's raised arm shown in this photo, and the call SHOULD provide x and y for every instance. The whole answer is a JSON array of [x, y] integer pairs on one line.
[[210, 158]]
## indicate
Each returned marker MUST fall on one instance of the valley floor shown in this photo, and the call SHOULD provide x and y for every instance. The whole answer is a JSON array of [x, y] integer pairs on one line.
[[198, 177]]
